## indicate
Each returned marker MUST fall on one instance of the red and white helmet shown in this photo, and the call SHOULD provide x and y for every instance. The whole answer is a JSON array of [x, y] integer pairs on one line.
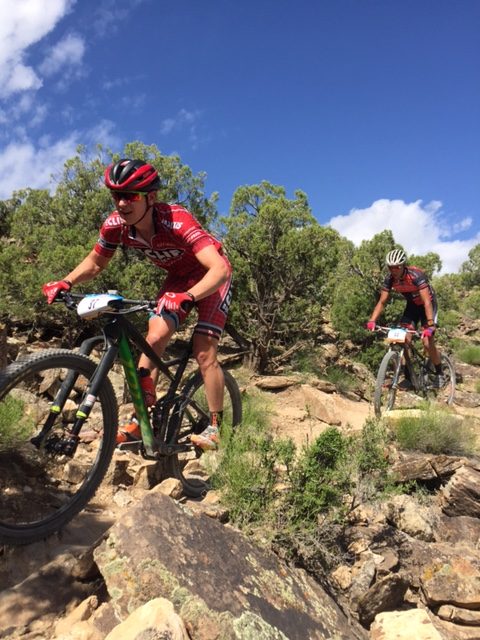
[[131, 175]]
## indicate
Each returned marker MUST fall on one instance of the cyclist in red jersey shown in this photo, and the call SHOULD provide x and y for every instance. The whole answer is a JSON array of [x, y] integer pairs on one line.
[[198, 274], [421, 307]]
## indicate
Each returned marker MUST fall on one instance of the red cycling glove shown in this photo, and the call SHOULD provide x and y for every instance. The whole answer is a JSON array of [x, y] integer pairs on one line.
[[428, 332], [51, 289], [175, 302], [370, 325]]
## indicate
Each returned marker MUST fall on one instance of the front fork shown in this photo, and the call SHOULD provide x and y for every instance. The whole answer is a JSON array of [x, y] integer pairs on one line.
[[67, 445], [398, 368], [416, 383]]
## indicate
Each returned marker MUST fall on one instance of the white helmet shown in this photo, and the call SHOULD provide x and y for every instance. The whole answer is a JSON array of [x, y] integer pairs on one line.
[[396, 258]]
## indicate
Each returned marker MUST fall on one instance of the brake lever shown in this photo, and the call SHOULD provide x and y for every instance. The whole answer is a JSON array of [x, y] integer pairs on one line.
[[66, 298]]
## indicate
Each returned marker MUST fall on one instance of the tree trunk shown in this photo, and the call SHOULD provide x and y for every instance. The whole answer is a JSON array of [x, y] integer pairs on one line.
[[237, 337], [3, 345]]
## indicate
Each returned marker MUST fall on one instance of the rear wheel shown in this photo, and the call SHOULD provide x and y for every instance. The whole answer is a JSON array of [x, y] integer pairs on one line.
[[386, 384], [193, 467], [46, 477]]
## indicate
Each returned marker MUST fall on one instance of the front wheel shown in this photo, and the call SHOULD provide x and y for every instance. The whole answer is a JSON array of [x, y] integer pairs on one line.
[[46, 475], [446, 392], [192, 470], [386, 383]]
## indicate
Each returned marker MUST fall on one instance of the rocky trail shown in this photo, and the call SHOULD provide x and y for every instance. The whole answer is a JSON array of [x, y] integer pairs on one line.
[[142, 560]]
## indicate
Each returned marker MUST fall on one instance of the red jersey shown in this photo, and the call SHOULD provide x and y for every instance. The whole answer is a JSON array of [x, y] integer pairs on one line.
[[178, 237], [409, 285]]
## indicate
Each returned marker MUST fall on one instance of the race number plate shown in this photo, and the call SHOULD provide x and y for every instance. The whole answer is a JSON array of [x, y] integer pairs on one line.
[[396, 335], [95, 305]]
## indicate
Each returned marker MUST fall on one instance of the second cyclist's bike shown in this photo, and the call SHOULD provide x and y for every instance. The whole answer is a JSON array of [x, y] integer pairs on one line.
[[406, 355], [52, 400]]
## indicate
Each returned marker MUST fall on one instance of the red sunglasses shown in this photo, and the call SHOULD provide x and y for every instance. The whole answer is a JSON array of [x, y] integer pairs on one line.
[[128, 196]]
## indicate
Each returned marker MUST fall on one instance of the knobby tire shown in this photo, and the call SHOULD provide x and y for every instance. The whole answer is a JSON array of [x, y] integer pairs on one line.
[[385, 395], [449, 372], [41, 489]]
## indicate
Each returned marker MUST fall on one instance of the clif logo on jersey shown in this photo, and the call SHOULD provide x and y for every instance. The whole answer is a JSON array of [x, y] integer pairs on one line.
[[164, 255]]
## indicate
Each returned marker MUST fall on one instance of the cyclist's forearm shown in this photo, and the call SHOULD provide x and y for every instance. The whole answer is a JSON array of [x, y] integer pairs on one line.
[[379, 307], [211, 281], [377, 312], [427, 303], [88, 269], [429, 313]]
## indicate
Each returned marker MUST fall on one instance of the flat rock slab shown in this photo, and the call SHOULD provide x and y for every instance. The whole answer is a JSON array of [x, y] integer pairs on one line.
[[220, 584]]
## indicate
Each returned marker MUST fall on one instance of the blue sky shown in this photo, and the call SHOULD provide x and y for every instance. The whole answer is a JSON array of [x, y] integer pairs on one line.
[[371, 107]]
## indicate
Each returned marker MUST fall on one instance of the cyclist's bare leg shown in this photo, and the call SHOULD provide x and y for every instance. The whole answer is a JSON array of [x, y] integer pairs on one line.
[[159, 333], [205, 353], [431, 349]]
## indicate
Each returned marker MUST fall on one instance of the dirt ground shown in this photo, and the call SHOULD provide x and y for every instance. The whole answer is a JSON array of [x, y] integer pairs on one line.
[[293, 418]]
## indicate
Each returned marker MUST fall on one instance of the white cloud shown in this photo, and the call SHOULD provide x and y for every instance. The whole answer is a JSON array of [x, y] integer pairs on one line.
[[108, 14], [417, 227], [24, 22], [463, 225], [103, 133], [134, 102], [66, 53], [167, 126], [20, 78], [183, 119], [26, 164], [22, 165]]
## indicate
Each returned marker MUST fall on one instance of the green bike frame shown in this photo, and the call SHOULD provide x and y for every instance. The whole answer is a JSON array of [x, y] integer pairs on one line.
[[133, 382]]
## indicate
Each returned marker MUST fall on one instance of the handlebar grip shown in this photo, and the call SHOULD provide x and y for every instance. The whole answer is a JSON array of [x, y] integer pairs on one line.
[[63, 296]]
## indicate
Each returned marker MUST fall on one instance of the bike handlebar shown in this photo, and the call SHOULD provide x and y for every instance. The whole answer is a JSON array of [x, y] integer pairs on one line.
[[69, 299], [122, 305], [381, 329]]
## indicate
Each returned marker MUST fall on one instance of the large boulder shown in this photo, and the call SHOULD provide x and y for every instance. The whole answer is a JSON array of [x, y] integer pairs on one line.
[[221, 585], [461, 496]]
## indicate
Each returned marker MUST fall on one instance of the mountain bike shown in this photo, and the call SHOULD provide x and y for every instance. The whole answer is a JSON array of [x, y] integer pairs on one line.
[[422, 372], [49, 400]]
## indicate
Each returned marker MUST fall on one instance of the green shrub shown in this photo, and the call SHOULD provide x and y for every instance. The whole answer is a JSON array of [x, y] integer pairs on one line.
[[471, 303], [342, 380], [315, 482], [320, 478], [14, 424], [470, 354], [247, 472], [435, 431], [449, 319], [371, 356], [374, 481], [307, 360], [372, 446]]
